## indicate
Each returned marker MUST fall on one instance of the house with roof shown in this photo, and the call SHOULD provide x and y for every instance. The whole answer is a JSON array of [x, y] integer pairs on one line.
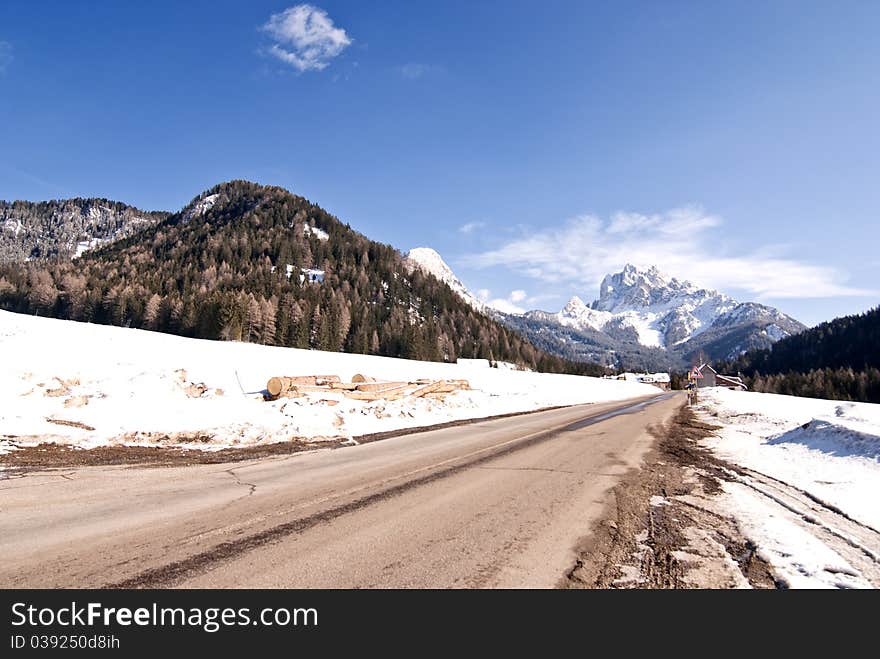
[[706, 376]]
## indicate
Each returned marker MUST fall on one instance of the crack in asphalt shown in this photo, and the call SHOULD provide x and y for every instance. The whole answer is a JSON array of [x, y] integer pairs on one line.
[[238, 481]]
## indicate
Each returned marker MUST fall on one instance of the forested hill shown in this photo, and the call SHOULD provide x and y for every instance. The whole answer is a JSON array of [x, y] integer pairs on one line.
[[839, 359], [62, 228], [253, 263]]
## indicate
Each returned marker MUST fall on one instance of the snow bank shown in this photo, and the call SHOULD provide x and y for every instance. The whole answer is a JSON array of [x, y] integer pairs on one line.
[[93, 385], [828, 449]]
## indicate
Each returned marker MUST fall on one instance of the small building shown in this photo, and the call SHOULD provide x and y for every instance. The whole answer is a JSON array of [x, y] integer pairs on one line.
[[709, 377], [661, 380]]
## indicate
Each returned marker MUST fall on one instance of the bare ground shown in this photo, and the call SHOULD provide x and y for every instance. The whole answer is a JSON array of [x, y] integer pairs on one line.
[[661, 530], [50, 455]]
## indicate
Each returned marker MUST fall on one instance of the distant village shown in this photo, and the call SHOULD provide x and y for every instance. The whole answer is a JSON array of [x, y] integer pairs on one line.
[[699, 377]]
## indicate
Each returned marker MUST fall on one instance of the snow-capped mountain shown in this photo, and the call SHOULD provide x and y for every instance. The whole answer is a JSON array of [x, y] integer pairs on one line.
[[428, 260], [650, 309], [641, 319], [658, 311]]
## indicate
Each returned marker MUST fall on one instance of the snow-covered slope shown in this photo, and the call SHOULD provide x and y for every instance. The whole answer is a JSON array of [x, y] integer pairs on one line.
[[138, 387], [431, 262], [808, 494]]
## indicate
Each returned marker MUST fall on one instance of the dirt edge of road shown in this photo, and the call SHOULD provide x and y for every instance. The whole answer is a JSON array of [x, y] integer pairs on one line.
[[49, 455], [662, 529]]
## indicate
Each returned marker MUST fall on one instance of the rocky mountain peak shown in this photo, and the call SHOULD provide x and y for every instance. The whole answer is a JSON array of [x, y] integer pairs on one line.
[[636, 288], [574, 308]]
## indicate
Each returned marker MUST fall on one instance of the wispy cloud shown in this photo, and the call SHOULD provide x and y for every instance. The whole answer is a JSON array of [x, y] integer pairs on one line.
[[509, 304], [5, 56], [685, 242], [470, 227], [305, 37], [416, 70]]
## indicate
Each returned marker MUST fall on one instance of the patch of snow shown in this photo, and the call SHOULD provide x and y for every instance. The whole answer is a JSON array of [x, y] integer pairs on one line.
[[828, 449], [308, 274], [84, 246], [201, 207], [320, 234], [775, 332], [13, 225]]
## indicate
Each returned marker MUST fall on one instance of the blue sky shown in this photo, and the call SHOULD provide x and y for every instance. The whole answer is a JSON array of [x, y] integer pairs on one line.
[[536, 146]]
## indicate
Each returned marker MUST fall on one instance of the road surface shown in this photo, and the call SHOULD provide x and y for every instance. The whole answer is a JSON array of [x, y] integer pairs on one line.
[[495, 504]]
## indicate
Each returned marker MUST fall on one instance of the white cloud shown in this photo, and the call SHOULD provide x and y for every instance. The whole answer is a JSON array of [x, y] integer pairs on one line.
[[5, 55], [413, 70], [305, 37], [470, 227], [683, 242], [507, 304], [417, 70]]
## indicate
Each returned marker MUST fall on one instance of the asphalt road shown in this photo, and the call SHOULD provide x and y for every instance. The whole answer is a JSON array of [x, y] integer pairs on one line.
[[501, 503]]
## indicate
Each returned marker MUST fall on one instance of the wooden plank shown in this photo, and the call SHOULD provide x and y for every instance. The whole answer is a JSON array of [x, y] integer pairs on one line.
[[448, 387], [428, 388], [380, 386]]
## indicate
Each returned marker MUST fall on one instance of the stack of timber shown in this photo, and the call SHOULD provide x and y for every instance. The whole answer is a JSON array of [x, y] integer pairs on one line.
[[361, 387]]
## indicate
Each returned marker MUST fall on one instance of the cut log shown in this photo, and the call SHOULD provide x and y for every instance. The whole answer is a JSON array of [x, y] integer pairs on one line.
[[448, 387], [305, 389], [350, 386], [278, 385], [72, 424], [359, 377], [386, 394], [462, 384], [381, 386]]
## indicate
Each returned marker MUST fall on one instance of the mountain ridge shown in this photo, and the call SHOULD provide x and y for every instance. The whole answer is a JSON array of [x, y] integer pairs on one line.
[[232, 265], [646, 319], [66, 228]]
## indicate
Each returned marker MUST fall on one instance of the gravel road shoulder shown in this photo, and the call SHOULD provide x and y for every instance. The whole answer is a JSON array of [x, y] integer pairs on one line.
[[665, 529]]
